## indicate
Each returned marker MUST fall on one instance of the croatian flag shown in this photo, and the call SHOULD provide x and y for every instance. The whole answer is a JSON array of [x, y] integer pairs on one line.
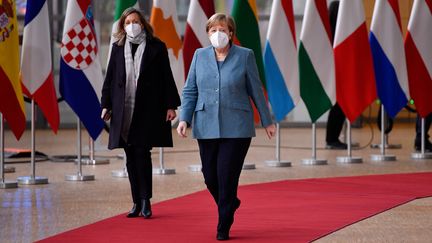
[[419, 56], [280, 60], [355, 79], [80, 70], [36, 75], [388, 53]]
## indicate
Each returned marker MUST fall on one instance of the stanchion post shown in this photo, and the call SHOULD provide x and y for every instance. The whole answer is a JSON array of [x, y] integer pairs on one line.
[[79, 176], [314, 160], [349, 159], [278, 162], [383, 156], [3, 183], [162, 170], [422, 154], [32, 179]]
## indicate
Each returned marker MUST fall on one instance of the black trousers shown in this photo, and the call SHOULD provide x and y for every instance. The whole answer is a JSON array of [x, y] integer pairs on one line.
[[428, 120], [222, 161], [140, 170], [335, 123]]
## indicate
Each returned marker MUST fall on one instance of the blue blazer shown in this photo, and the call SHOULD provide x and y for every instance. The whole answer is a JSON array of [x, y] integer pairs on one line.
[[218, 100]]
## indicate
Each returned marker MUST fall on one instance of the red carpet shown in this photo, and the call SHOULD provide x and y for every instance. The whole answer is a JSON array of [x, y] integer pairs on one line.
[[284, 211]]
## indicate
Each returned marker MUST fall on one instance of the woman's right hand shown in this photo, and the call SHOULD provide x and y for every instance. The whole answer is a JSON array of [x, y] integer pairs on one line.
[[105, 115], [181, 129]]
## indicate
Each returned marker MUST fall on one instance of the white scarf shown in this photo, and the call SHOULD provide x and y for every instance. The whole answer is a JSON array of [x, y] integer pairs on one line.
[[132, 66]]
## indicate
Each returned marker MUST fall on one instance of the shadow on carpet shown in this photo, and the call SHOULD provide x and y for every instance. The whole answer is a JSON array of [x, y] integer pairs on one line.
[[284, 211]]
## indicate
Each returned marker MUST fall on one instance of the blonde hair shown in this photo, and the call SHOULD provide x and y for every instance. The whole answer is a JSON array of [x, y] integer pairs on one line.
[[218, 18]]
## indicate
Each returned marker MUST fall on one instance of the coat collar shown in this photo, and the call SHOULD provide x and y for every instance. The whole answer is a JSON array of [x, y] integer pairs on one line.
[[211, 55]]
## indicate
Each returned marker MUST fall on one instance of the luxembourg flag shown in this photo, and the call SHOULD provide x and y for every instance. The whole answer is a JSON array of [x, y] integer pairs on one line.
[[388, 53], [80, 70], [355, 79], [36, 75], [419, 56], [280, 60], [195, 35]]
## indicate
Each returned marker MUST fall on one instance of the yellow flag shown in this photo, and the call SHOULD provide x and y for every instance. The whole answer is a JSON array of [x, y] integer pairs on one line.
[[11, 98]]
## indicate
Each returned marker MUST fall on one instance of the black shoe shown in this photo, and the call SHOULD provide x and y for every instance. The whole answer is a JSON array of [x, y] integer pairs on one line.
[[428, 145], [135, 211], [336, 145], [222, 236], [236, 204], [146, 209]]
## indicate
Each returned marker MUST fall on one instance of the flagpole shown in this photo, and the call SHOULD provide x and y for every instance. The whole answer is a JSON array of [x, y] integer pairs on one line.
[[349, 159], [3, 183], [278, 162], [314, 160], [162, 170], [383, 156], [91, 160], [121, 173], [32, 179], [422, 154], [79, 176]]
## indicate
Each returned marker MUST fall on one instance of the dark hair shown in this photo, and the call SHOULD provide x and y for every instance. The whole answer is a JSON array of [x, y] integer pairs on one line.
[[120, 35]]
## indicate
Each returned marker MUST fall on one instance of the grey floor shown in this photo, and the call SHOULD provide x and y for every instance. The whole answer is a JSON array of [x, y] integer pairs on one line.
[[34, 212]]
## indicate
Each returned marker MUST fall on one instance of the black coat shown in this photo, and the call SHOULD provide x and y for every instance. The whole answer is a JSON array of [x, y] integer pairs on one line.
[[156, 92]]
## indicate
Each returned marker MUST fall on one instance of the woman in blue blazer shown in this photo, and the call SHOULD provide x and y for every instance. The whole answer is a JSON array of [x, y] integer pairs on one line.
[[222, 80]]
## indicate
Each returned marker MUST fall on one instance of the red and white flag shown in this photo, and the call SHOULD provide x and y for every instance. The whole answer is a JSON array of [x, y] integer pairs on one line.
[[36, 65], [419, 56], [355, 80], [195, 35]]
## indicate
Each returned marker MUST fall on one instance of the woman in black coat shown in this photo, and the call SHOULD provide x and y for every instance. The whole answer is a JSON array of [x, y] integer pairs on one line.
[[140, 97]]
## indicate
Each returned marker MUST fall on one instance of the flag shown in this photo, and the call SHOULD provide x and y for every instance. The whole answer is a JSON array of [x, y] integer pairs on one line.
[[36, 76], [80, 70], [245, 16], [120, 6], [280, 60], [355, 80], [387, 47], [164, 22], [316, 60], [419, 56], [195, 34], [11, 99]]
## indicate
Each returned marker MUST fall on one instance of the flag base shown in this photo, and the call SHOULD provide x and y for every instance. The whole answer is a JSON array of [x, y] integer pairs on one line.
[[195, 168], [277, 163], [9, 169], [349, 160], [120, 173], [30, 180], [421, 156], [96, 161], [248, 166], [314, 161], [8, 184], [79, 177], [163, 171], [387, 146], [383, 157]]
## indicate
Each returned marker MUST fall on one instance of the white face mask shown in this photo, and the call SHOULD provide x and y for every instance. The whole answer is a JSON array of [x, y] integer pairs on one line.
[[133, 30], [219, 39]]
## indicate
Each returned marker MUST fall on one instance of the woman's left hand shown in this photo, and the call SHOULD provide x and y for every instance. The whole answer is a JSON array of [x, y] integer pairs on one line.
[[270, 130], [171, 114]]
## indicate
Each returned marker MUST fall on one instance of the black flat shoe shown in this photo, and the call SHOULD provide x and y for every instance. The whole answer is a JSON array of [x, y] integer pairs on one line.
[[336, 145], [135, 211], [146, 209], [222, 236]]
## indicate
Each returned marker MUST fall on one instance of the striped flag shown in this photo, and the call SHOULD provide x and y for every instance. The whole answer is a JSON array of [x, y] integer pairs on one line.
[[419, 56], [80, 70], [355, 80], [316, 60], [280, 60], [11, 99], [386, 42], [36, 76], [195, 35], [120, 6], [164, 22]]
